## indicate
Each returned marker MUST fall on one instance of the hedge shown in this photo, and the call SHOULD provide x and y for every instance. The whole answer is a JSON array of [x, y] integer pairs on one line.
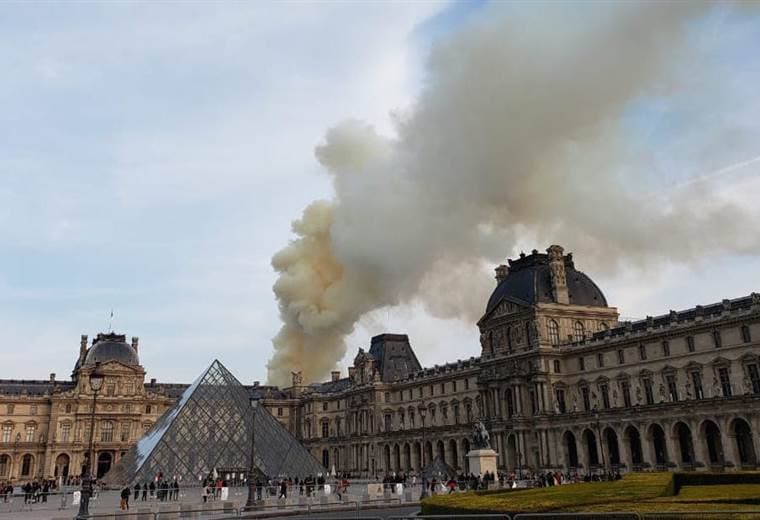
[[644, 492]]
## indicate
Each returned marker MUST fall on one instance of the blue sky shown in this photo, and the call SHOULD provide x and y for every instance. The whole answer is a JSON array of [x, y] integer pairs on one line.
[[153, 156]]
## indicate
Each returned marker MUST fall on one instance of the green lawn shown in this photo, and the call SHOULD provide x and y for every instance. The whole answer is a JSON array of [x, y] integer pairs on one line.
[[641, 492]]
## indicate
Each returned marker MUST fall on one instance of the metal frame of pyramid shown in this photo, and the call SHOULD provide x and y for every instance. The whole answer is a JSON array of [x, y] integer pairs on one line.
[[209, 428]]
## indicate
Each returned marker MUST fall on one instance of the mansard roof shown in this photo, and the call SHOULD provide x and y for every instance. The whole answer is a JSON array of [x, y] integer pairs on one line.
[[395, 357], [675, 319], [32, 386], [529, 280]]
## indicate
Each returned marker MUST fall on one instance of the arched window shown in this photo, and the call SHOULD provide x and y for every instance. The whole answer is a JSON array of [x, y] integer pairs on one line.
[[579, 331], [5, 466], [26, 465], [106, 432], [553, 329], [603, 327]]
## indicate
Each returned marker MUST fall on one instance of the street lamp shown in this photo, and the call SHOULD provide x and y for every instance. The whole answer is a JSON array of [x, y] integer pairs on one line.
[[251, 502], [423, 412], [96, 383]]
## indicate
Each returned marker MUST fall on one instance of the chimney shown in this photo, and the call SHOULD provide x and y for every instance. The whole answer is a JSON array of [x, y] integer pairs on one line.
[[135, 341], [82, 347], [501, 273], [558, 277], [335, 375], [256, 384], [153, 381], [52, 377], [351, 372]]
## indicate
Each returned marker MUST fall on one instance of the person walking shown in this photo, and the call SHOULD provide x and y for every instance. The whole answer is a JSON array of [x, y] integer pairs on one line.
[[137, 491], [144, 492], [283, 489], [125, 499]]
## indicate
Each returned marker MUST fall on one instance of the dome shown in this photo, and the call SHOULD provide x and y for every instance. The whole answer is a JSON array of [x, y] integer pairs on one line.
[[528, 279], [111, 347]]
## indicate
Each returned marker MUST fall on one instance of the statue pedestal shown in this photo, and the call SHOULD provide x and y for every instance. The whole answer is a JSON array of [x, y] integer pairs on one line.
[[482, 461]]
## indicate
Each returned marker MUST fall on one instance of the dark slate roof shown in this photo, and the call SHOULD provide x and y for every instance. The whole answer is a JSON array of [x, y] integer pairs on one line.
[[331, 387], [529, 281], [265, 392], [744, 303], [173, 390], [395, 358], [31, 386], [111, 347]]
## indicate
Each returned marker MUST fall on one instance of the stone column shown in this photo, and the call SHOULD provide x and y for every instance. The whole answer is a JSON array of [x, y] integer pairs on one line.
[[624, 448], [671, 445], [647, 449]]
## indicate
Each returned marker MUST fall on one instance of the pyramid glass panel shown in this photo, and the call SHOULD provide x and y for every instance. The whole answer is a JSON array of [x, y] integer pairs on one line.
[[210, 428]]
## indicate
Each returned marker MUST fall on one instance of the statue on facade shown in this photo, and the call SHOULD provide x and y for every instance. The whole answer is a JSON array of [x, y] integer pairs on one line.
[[638, 395], [663, 397], [687, 387], [481, 440], [716, 392], [614, 398], [747, 384]]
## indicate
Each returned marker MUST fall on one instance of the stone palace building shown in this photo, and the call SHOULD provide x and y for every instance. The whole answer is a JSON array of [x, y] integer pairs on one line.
[[561, 383]]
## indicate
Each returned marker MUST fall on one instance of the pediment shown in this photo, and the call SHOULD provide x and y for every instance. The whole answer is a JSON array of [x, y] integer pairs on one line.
[[505, 307]]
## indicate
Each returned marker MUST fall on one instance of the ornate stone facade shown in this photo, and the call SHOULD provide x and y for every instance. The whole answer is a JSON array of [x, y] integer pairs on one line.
[[557, 373], [45, 425]]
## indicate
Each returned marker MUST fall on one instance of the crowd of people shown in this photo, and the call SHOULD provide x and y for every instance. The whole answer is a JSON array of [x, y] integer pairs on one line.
[[34, 492], [160, 488]]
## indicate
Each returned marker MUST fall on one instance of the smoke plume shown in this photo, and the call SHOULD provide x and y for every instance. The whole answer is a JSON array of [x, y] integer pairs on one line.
[[518, 132]]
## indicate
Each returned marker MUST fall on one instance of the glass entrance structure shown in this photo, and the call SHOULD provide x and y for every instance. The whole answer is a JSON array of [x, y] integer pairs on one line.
[[210, 428]]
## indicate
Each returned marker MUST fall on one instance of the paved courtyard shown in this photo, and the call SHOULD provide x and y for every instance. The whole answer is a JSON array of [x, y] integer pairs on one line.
[[107, 503]]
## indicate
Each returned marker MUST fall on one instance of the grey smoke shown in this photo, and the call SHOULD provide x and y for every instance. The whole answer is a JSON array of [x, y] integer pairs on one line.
[[517, 133]]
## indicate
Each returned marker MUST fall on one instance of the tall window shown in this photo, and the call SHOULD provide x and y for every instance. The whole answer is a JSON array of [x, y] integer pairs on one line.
[[30, 430], [10, 408], [648, 391], [68, 408], [106, 432], [26, 465], [746, 336], [533, 403], [387, 420], [581, 364], [754, 377], [579, 331], [725, 381], [690, 343], [621, 357], [553, 329], [585, 394], [65, 432], [670, 379], [466, 384], [696, 381], [110, 389], [510, 403], [279, 411], [625, 387], [7, 431], [665, 348], [148, 409], [468, 412], [33, 409], [556, 366], [643, 352], [326, 428], [125, 430], [455, 409], [600, 360], [324, 404], [717, 340], [604, 389], [454, 386]]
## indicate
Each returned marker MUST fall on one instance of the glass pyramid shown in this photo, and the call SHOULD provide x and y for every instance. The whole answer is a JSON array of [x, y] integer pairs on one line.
[[209, 429]]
